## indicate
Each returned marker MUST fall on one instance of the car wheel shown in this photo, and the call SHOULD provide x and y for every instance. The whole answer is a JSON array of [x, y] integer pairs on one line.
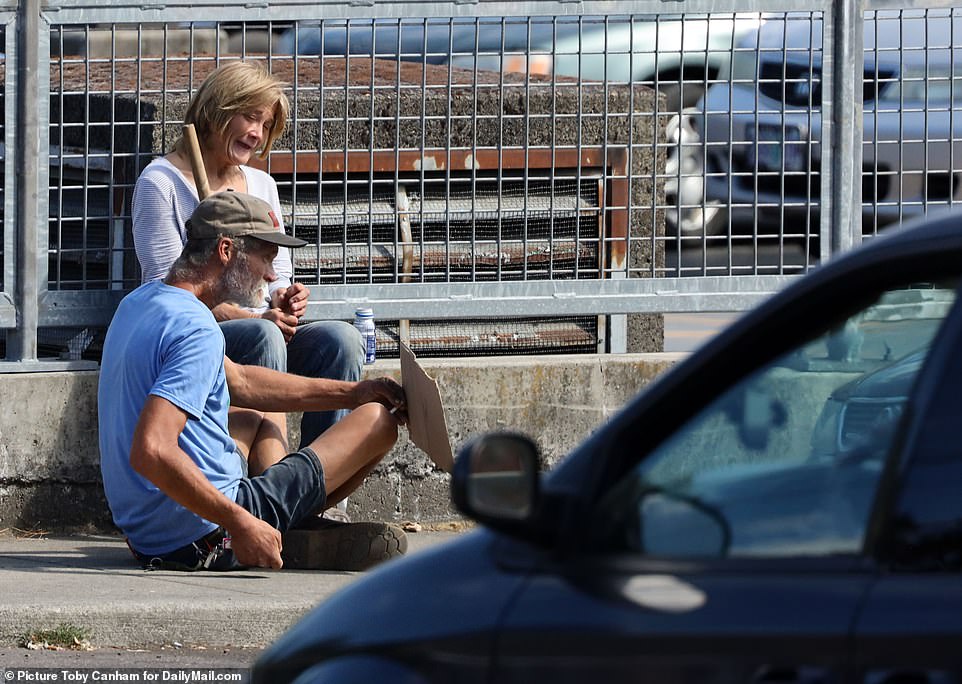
[[688, 215]]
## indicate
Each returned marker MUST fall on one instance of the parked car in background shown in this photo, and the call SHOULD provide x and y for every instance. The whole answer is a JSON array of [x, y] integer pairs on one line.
[[675, 53], [429, 40], [750, 153], [709, 531]]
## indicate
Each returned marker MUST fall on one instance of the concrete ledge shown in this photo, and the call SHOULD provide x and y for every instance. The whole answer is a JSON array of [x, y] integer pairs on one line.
[[49, 461]]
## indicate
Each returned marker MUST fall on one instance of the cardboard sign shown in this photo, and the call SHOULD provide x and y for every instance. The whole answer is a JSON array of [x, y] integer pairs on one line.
[[426, 424]]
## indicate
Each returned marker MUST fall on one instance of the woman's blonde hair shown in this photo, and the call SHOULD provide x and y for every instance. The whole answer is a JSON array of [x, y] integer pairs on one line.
[[231, 89]]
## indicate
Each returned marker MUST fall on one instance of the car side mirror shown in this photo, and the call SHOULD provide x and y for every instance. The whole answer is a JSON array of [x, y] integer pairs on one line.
[[496, 481]]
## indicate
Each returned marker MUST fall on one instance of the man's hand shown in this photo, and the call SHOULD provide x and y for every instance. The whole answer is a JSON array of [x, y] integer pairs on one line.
[[291, 300], [286, 322], [383, 391], [255, 543]]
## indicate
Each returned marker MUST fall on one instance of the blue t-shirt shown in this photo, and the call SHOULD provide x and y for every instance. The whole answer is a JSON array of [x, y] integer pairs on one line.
[[163, 341]]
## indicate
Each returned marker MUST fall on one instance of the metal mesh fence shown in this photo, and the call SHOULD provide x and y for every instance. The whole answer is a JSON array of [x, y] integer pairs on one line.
[[402, 162], [748, 176], [913, 94], [7, 234], [432, 151], [510, 336], [743, 187]]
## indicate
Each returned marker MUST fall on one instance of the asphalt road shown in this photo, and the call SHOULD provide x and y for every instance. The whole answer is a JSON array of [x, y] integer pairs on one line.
[[686, 332], [745, 257], [117, 658]]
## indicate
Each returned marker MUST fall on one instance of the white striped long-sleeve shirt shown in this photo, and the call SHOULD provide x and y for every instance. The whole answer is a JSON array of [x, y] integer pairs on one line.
[[164, 200]]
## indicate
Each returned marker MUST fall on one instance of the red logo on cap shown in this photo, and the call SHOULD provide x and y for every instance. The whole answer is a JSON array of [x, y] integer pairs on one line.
[[277, 224]]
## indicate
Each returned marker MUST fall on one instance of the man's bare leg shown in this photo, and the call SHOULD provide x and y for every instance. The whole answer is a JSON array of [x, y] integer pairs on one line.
[[348, 451], [259, 437], [351, 448]]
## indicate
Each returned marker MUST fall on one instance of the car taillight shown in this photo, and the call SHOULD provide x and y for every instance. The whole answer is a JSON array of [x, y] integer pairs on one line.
[[538, 65]]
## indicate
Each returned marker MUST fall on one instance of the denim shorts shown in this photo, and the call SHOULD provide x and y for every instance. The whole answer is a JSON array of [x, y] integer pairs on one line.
[[288, 492]]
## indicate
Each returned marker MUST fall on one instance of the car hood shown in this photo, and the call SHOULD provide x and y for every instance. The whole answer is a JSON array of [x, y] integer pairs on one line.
[[447, 597], [888, 382]]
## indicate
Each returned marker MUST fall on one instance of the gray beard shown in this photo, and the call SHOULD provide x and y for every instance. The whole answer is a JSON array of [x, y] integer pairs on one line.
[[239, 286]]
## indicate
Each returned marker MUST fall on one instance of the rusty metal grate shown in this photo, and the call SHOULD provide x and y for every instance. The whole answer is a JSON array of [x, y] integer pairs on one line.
[[486, 228], [510, 336]]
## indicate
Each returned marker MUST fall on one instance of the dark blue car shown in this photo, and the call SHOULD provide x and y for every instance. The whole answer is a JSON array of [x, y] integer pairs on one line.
[[783, 506]]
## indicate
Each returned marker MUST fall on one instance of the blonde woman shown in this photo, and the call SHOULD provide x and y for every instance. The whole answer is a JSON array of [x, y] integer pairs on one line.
[[240, 110]]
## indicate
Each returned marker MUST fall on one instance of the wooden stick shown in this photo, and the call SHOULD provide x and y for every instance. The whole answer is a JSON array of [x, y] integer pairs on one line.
[[407, 252], [196, 161]]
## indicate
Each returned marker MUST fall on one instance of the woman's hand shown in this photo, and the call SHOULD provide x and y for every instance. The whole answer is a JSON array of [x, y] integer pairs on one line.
[[285, 321], [291, 300]]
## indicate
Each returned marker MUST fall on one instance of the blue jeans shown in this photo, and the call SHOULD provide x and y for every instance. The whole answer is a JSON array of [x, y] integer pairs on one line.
[[322, 349]]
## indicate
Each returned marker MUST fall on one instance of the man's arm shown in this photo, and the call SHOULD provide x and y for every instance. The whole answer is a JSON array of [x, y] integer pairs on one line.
[[265, 389], [156, 455]]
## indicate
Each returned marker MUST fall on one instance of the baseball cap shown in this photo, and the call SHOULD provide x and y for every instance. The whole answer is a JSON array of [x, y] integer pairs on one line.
[[237, 214]]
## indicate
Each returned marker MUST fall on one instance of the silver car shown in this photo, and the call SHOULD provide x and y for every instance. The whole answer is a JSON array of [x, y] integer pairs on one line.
[[677, 54], [749, 155]]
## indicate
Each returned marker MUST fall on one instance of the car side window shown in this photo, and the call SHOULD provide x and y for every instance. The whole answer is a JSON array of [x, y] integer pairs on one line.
[[786, 461]]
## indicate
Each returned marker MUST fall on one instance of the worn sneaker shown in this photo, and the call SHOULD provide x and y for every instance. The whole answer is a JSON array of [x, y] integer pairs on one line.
[[322, 544], [336, 514]]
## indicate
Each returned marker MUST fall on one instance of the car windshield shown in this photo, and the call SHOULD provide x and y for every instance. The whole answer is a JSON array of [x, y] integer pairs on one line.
[[785, 462]]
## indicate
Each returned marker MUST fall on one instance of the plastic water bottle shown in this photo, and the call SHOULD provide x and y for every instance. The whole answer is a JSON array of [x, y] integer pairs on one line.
[[364, 322]]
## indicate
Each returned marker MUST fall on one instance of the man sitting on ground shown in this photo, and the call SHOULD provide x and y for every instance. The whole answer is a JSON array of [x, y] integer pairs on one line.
[[183, 491]]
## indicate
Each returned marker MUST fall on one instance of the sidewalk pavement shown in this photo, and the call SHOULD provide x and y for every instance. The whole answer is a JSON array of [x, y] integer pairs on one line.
[[92, 582]]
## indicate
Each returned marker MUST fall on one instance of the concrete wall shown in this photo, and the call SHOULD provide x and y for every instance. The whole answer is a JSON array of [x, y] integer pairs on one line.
[[49, 467]]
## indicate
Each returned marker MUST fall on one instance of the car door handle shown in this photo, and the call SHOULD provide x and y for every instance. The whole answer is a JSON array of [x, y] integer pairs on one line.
[[774, 674]]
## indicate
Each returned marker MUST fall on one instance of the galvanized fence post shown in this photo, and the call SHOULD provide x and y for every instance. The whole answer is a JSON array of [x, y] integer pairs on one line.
[[844, 35], [8, 235], [30, 265]]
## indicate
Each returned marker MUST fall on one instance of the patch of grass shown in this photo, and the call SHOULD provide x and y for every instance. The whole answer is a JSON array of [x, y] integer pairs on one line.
[[30, 534], [64, 636], [19, 533]]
